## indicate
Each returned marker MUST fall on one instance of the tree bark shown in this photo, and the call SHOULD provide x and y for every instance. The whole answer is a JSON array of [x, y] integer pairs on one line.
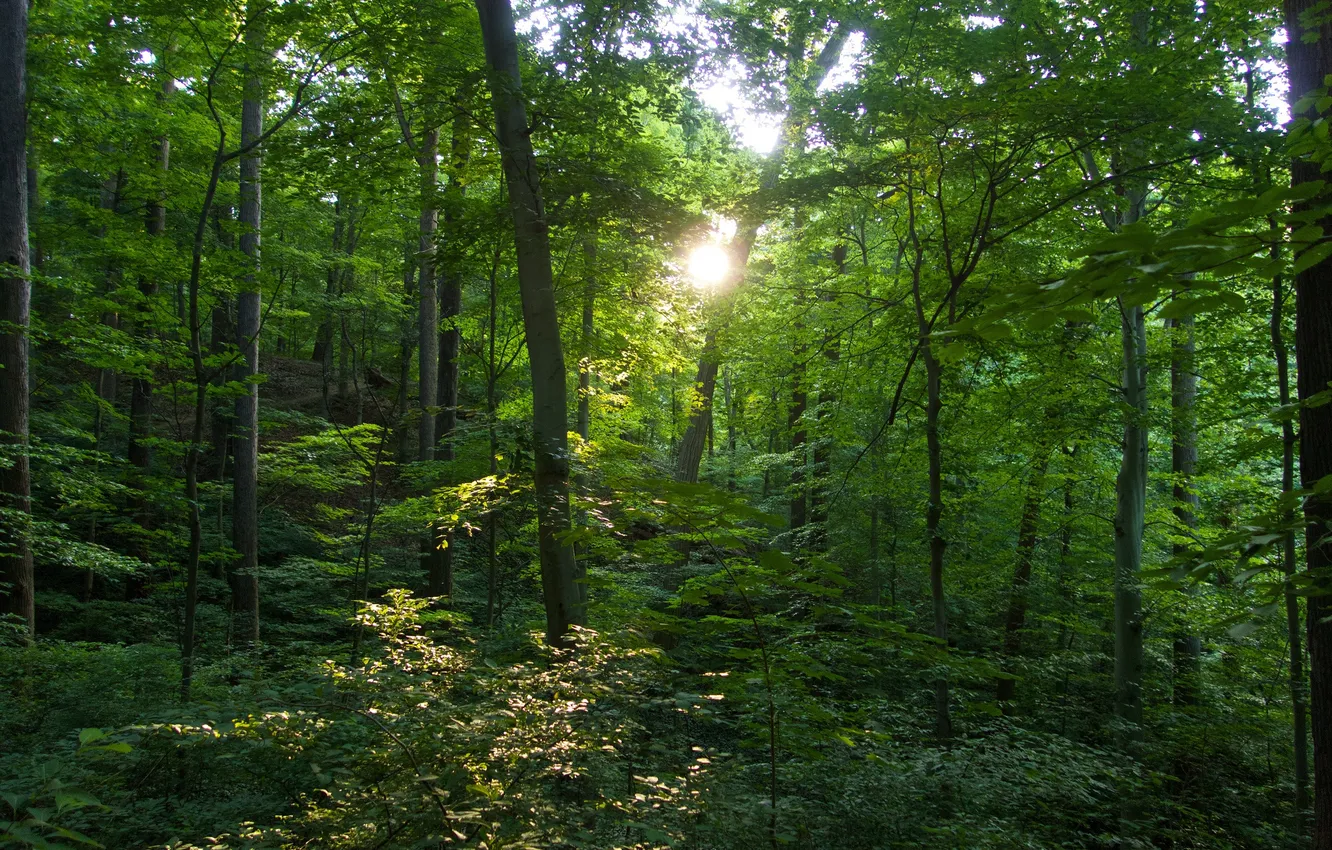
[[450, 340], [545, 354], [1130, 502], [1299, 699], [1016, 619], [15, 299], [692, 443], [823, 438], [1187, 649], [245, 475], [943, 722], [1309, 63]]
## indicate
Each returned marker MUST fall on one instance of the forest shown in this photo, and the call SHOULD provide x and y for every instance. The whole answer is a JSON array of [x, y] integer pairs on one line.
[[714, 425]]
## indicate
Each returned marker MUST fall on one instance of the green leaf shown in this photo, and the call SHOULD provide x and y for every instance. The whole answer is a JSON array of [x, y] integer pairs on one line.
[[1312, 257]]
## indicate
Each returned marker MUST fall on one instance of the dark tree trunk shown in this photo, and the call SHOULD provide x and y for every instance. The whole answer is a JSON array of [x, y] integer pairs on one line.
[[1299, 698], [1309, 63], [141, 389], [943, 722], [1016, 620], [406, 347], [823, 438], [545, 354], [450, 340], [245, 476], [1187, 648], [15, 298]]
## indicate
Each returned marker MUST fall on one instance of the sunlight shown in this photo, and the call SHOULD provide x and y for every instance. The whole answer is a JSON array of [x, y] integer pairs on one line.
[[708, 265]]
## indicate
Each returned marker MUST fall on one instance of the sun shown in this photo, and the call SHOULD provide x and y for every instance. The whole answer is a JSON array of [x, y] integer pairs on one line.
[[708, 265]]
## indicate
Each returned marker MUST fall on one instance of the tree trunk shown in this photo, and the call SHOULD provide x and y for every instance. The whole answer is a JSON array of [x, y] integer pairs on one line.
[[536, 285], [1299, 700], [795, 423], [406, 347], [1016, 619], [1130, 500], [450, 340], [691, 445], [943, 722], [427, 317], [245, 475], [1309, 63], [141, 388], [823, 438], [15, 298], [1187, 649], [589, 316], [492, 375]]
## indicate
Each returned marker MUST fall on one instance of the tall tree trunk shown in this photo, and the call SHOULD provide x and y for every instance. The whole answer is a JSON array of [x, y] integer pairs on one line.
[[1299, 699], [589, 317], [1016, 619], [1187, 649], [1130, 500], [245, 476], [823, 439], [1309, 63], [406, 347], [427, 317], [450, 340], [700, 421], [427, 338], [795, 423], [107, 379], [492, 376], [141, 390], [15, 297], [943, 721], [545, 354]]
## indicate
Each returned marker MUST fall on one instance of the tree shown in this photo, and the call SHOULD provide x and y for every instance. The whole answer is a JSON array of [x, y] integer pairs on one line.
[[1309, 58], [15, 295], [245, 514], [549, 399]]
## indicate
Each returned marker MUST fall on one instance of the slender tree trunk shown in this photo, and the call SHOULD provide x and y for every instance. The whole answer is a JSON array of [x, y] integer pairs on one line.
[[589, 316], [427, 324], [450, 340], [1309, 63], [545, 354], [943, 722], [823, 439], [691, 445], [1016, 620], [15, 298], [245, 476], [1187, 650], [406, 347], [427, 339], [1299, 699], [1130, 499], [795, 423], [195, 449], [107, 379], [492, 376]]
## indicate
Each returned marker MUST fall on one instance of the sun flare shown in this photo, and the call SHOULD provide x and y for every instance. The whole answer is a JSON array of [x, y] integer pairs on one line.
[[708, 265]]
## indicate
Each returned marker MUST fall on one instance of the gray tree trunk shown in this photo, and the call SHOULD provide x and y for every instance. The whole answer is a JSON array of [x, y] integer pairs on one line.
[[1187, 649], [15, 298], [550, 417], [1131, 501], [245, 481]]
